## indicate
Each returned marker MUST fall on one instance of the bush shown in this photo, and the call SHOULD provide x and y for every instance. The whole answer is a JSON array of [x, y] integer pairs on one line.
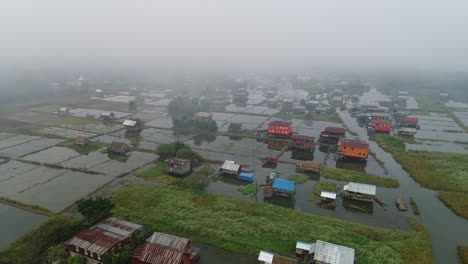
[[177, 149], [95, 209]]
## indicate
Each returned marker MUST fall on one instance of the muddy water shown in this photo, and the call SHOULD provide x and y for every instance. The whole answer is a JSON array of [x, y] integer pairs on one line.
[[446, 229]]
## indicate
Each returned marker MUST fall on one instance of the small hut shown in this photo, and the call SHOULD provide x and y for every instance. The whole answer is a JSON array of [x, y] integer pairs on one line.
[[245, 176], [178, 166], [284, 188], [302, 142], [270, 161], [230, 167], [359, 191], [407, 131], [328, 198], [353, 148], [331, 135], [266, 257], [81, 141], [118, 147], [63, 110], [107, 116], [235, 127], [132, 125], [308, 167]]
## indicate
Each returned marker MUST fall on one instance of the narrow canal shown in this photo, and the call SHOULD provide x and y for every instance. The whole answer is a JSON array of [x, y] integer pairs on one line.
[[446, 229]]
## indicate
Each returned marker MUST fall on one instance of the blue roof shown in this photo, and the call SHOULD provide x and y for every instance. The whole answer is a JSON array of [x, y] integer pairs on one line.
[[246, 176], [283, 185]]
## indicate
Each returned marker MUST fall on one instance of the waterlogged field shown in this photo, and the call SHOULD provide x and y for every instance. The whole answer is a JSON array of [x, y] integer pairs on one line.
[[247, 227]]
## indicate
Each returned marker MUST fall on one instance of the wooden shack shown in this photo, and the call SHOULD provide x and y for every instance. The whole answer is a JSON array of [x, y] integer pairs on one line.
[[359, 191], [328, 199], [280, 128], [352, 148], [63, 110], [107, 116], [284, 188], [308, 167], [81, 141], [407, 131], [302, 142], [230, 167], [270, 161], [132, 126], [266, 257], [409, 122], [235, 127], [118, 147], [178, 166], [331, 135]]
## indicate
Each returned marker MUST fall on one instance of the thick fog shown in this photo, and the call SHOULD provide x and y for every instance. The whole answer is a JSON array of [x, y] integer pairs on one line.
[[235, 33]]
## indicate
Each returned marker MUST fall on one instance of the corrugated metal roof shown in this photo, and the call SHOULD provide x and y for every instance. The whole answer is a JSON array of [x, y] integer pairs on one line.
[[266, 257], [360, 188], [283, 185], [156, 254], [129, 123], [303, 137], [280, 123], [229, 165], [303, 245], [168, 240], [246, 176], [326, 194], [335, 129], [333, 254], [353, 143]]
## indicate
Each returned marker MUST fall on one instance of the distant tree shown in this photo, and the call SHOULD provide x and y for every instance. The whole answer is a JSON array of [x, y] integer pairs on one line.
[[56, 254], [77, 259], [95, 209], [132, 106]]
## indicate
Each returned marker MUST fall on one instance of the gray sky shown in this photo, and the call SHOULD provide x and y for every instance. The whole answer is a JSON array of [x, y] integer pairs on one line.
[[238, 33]]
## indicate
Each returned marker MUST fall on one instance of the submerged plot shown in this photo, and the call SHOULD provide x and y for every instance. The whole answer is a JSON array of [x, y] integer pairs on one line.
[[52, 155], [16, 140], [29, 147]]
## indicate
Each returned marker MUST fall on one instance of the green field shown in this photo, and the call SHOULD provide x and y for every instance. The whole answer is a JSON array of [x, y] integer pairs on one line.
[[247, 227], [251, 189], [298, 178], [92, 146], [158, 170], [443, 171], [355, 176], [51, 108], [463, 253]]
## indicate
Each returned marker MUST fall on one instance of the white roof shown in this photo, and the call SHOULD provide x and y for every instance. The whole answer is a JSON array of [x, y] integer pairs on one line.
[[408, 129], [129, 123], [303, 245], [230, 166], [63, 109], [98, 91], [203, 114], [106, 113], [333, 254], [326, 194], [266, 257], [360, 188]]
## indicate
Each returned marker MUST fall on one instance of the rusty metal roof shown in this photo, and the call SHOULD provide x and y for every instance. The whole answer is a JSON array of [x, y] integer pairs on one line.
[[280, 123], [353, 143], [335, 129], [303, 137], [168, 240], [156, 254]]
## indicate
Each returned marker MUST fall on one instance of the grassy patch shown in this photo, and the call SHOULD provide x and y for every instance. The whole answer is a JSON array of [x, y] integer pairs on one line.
[[298, 178], [117, 156], [457, 201], [390, 143], [83, 150], [31, 248], [197, 180], [246, 227], [436, 170], [355, 176], [37, 209], [51, 108], [463, 254], [414, 205], [252, 189], [324, 186], [153, 172]]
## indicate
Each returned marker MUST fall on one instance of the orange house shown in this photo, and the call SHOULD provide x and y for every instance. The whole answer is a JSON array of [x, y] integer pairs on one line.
[[353, 148]]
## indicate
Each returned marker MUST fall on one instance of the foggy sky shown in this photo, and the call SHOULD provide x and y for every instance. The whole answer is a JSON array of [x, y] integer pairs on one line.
[[235, 33]]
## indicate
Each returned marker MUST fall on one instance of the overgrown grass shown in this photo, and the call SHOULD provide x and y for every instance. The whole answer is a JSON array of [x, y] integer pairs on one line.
[[463, 254], [33, 208], [355, 176], [50, 108], [92, 146], [414, 205], [197, 180], [298, 178], [457, 201], [322, 186], [31, 248], [156, 171], [251, 189], [247, 227], [436, 170]]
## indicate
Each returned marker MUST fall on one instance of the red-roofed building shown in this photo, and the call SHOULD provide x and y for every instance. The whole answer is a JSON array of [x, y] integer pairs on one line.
[[353, 148], [409, 122], [331, 135], [381, 125], [280, 128], [302, 142], [104, 237], [162, 248]]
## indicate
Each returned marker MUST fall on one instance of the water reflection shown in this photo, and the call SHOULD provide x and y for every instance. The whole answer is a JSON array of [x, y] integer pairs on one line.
[[358, 206], [354, 165]]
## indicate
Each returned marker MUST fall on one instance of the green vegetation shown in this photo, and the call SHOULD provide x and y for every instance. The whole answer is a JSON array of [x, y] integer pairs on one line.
[[246, 227], [197, 180], [463, 254], [31, 248], [27, 207], [414, 205], [355, 176], [156, 171], [115, 156], [92, 146], [298, 178], [196, 125], [177, 149], [57, 254], [324, 186], [94, 209], [252, 189], [77, 259], [50, 108], [428, 104], [436, 170], [457, 201]]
